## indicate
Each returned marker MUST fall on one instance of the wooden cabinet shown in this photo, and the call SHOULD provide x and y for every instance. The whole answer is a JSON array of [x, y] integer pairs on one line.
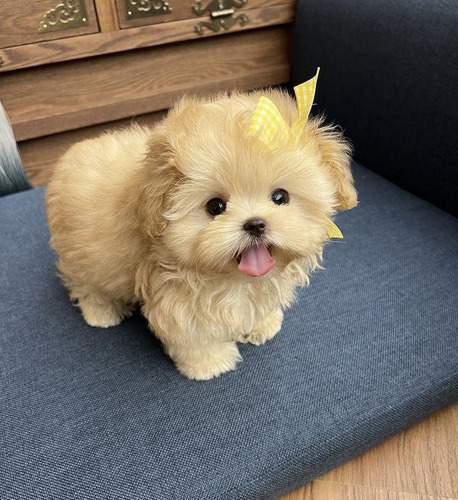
[[118, 65], [29, 21], [38, 32]]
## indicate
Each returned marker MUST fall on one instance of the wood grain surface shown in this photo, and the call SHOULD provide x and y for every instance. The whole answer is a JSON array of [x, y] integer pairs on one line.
[[334, 491], [55, 98], [110, 41], [420, 463], [107, 15], [20, 20]]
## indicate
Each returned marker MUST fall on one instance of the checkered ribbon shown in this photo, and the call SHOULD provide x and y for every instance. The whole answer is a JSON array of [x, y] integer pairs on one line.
[[270, 127]]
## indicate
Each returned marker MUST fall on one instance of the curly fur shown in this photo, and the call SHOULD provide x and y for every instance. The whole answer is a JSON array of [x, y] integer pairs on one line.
[[128, 222]]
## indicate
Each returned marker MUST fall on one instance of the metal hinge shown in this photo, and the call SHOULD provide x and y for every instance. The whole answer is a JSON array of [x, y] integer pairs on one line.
[[146, 8], [66, 15]]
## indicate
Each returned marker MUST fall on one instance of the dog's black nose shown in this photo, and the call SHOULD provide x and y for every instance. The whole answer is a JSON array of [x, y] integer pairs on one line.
[[256, 227]]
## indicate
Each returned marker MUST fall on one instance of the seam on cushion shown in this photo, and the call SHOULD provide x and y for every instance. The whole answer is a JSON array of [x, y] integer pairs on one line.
[[285, 464]]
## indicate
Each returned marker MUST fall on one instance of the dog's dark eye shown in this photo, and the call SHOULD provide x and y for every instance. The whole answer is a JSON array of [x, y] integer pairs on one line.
[[280, 197], [216, 206]]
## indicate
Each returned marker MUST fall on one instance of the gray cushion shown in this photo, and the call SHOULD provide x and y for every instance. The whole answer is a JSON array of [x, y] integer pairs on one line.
[[369, 349], [389, 78]]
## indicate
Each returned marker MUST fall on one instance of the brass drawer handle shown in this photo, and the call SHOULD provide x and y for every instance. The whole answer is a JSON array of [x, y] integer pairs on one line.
[[221, 12]]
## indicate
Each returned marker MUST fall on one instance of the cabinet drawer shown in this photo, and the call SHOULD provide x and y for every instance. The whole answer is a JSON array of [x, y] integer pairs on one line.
[[29, 21], [134, 13]]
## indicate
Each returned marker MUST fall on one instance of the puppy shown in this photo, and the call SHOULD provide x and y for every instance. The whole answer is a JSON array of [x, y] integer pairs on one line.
[[200, 223]]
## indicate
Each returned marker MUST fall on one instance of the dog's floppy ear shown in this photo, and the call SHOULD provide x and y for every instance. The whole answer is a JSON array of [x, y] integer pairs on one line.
[[335, 152], [158, 178]]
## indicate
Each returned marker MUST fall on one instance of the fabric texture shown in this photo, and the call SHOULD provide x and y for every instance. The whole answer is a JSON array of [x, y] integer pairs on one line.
[[389, 77], [370, 348]]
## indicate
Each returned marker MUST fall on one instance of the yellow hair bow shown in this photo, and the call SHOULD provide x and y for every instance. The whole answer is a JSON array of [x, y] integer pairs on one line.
[[268, 124]]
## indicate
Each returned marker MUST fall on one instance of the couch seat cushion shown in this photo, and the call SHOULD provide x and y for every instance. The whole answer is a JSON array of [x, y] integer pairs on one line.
[[370, 348]]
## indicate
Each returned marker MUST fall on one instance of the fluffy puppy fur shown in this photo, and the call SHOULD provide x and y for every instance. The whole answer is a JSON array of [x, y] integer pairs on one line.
[[127, 214]]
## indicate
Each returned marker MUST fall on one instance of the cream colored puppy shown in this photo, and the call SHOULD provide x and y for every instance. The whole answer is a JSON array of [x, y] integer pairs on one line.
[[209, 230]]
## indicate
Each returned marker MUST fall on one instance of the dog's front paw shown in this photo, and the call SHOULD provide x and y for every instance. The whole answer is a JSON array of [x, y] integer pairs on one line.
[[206, 361], [103, 314], [266, 330]]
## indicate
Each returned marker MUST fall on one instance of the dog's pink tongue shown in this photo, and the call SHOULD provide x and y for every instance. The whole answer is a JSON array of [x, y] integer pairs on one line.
[[256, 261]]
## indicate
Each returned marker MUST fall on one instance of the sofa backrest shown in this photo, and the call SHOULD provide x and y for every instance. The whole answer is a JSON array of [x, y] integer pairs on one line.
[[389, 77]]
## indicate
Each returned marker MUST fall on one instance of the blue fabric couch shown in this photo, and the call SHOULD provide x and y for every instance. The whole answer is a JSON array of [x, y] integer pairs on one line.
[[370, 348]]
